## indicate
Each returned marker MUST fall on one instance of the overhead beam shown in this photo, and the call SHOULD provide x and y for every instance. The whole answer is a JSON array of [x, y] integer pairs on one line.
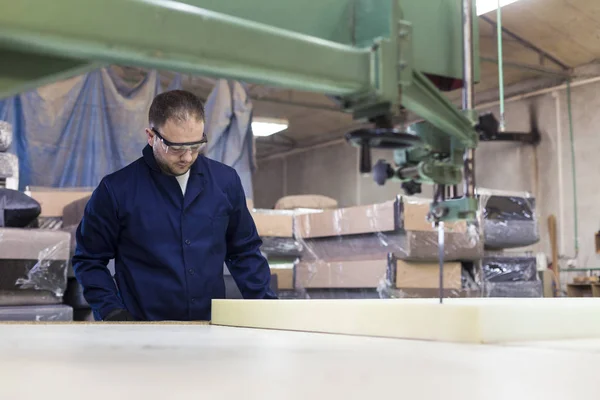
[[530, 67], [526, 43], [183, 38]]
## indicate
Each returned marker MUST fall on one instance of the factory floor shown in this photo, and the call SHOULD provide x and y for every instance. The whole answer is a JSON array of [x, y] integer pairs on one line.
[[98, 361]]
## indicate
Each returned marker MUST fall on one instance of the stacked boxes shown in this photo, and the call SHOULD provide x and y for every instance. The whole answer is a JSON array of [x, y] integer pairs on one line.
[[280, 247], [387, 249], [390, 250], [380, 250]]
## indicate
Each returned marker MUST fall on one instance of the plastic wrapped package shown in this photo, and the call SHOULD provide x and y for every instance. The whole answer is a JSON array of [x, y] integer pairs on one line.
[[280, 247], [388, 248], [509, 219], [381, 278], [44, 313], [509, 268], [284, 271], [9, 170], [510, 275], [372, 231], [33, 266], [409, 246], [513, 289], [17, 210], [51, 223], [6, 135], [275, 227]]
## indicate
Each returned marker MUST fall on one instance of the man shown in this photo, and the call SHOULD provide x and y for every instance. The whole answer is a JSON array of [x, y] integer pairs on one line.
[[170, 220]]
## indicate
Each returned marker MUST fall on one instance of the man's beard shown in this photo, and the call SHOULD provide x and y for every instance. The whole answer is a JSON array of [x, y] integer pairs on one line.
[[164, 167]]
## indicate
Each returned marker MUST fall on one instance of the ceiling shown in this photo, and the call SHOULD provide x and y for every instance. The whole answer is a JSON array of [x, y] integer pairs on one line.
[[542, 39]]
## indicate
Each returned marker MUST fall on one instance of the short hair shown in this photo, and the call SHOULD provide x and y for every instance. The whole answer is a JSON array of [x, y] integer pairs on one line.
[[179, 105]]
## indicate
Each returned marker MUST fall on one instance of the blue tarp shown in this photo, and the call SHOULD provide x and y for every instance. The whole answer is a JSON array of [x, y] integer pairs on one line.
[[229, 130], [74, 132]]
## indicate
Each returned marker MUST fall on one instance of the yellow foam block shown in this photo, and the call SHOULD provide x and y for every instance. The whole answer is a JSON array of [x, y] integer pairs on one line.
[[468, 320]]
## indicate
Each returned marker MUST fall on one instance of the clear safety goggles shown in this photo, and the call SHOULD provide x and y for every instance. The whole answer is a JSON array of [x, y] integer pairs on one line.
[[180, 148]]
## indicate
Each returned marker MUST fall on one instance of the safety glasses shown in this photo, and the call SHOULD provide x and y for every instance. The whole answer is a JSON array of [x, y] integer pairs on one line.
[[179, 148]]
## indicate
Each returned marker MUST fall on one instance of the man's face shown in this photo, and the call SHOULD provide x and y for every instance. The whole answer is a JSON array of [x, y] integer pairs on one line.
[[171, 159]]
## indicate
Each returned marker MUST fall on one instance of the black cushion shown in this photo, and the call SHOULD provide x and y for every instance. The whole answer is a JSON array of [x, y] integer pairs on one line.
[[17, 210]]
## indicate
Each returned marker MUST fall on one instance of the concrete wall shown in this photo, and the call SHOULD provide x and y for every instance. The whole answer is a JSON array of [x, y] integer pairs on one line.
[[544, 170]]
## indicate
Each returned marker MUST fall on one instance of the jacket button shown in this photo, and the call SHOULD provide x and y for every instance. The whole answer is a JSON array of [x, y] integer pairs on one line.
[[191, 271], [188, 242], [193, 300]]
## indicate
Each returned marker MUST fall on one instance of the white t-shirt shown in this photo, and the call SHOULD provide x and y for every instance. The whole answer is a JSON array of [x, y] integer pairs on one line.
[[183, 180]]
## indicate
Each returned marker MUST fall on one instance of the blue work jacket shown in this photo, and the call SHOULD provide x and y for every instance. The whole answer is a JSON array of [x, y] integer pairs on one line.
[[169, 249]]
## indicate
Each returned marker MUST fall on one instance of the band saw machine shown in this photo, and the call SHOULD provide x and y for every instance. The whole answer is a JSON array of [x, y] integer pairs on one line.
[[381, 60], [387, 62]]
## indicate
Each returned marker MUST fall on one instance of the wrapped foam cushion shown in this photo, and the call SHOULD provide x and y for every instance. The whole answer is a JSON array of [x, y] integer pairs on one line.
[[59, 312], [509, 269], [509, 222], [513, 289], [9, 165], [280, 247], [413, 246], [17, 210], [311, 201], [6, 135]]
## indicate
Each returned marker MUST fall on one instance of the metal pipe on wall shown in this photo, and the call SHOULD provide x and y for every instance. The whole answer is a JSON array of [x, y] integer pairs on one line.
[[573, 170], [500, 66], [468, 98]]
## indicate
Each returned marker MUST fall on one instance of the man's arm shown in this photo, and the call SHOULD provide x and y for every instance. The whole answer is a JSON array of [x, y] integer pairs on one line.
[[96, 237], [247, 265]]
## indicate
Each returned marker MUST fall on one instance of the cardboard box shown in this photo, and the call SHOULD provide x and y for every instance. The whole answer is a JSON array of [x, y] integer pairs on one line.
[[370, 274], [54, 201], [411, 275], [285, 275], [411, 245], [346, 221], [352, 274], [408, 214], [277, 223]]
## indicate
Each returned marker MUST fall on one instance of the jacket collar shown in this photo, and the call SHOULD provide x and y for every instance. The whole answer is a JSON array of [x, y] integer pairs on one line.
[[151, 161]]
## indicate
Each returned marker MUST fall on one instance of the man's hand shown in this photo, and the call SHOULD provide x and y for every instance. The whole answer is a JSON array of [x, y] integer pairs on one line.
[[119, 315]]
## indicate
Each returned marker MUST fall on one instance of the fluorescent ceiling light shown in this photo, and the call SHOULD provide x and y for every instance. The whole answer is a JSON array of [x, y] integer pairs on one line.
[[485, 6], [268, 126]]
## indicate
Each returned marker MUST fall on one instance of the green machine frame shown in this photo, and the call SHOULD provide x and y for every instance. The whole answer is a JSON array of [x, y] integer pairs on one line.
[[378, 58]]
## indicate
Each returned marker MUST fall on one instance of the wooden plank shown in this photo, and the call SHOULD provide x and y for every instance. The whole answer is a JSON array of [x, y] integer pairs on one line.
[[475, 320]]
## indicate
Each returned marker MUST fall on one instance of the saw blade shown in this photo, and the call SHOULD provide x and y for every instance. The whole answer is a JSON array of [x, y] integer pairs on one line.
[[441, 256]]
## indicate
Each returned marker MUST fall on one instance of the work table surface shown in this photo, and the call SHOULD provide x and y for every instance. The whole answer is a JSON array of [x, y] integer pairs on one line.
[[99, 361]]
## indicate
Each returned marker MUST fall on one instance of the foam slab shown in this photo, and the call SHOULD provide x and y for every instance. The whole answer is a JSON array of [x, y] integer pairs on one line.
[[470, 320]]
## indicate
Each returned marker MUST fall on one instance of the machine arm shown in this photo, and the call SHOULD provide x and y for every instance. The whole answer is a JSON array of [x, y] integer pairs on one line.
[[373, 55]]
